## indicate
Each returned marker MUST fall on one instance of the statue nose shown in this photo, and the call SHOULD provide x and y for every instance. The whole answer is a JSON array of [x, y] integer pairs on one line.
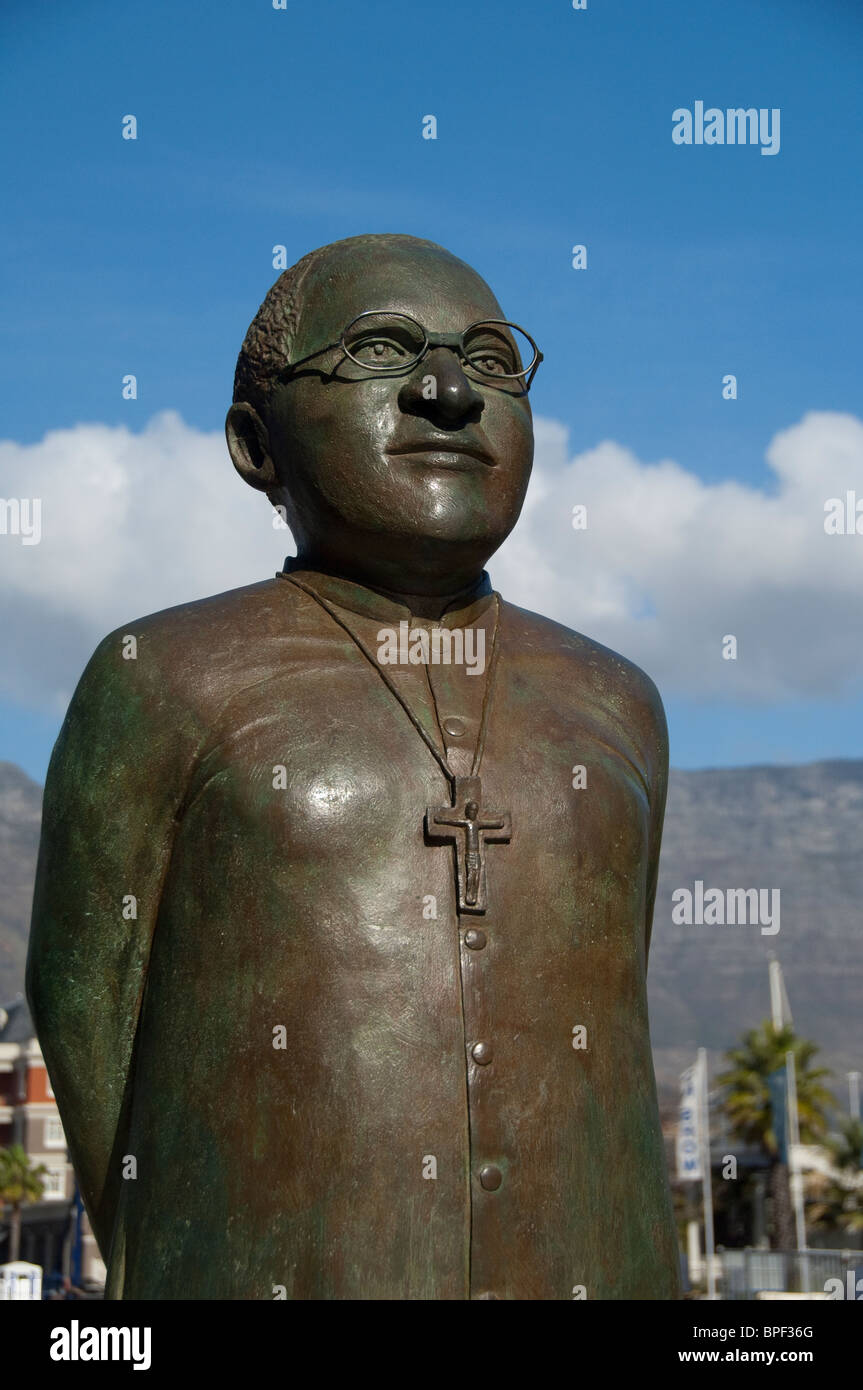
[[439, 387]]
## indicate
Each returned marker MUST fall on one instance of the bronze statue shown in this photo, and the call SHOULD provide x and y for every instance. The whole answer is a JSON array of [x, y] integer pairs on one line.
[[338, 970]]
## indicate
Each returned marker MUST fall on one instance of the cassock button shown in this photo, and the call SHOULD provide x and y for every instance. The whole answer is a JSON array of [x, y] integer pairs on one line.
[[454, 727], [490, 1177], [474, 939], [481, 1053]]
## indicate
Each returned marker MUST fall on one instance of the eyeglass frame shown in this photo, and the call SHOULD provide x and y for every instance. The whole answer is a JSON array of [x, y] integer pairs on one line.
[[454, 341]]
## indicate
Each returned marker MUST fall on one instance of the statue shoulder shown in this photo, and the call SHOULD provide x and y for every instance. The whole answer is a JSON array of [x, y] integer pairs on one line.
[[154, 686], [590, 674], [196, 653]]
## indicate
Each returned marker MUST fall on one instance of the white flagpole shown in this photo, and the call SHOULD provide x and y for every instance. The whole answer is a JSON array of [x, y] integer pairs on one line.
[[793, 1143], [706, 1183], [781, 1011], [776, 992]]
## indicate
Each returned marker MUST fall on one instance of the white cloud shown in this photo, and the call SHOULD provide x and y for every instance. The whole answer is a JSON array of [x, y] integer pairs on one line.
[[131, 523], [667, 566]]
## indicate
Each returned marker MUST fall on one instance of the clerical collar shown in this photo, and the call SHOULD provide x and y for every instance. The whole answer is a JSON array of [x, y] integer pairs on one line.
[[371, 603]]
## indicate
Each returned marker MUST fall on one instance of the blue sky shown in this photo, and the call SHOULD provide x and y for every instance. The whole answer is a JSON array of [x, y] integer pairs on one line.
[[259, 127]]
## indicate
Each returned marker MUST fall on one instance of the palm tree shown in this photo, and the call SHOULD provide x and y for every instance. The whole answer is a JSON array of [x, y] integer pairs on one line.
[[839, 1201], [750, 1112], [20, 1182]]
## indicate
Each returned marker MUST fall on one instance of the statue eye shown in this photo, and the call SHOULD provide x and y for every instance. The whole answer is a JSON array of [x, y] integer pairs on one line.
[[376, 351], [380, 352], [491, 354], [388, 341], [492, 364]]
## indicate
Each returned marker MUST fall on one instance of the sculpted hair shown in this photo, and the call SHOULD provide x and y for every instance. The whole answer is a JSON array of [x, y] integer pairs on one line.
[[268, 344]]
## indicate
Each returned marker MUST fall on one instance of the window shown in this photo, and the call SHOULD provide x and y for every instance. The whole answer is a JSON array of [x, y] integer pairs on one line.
[[54, 1136], [54, 1181]]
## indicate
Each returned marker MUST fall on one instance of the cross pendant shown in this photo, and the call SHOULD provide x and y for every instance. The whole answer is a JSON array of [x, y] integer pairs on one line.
[[469, 827]]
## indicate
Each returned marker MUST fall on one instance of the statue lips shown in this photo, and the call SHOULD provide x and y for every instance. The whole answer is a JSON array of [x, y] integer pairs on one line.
[[457, 449]]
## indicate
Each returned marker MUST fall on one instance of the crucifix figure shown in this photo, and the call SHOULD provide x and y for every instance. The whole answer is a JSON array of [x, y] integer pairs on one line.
[[466, 816]]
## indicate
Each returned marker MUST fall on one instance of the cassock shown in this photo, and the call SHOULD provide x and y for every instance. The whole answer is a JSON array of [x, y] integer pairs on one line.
[[291, 1058]]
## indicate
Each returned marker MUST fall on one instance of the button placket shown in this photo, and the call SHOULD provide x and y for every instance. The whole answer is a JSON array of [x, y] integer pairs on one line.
[[490, 1177], [486, 1052], [458, 700]]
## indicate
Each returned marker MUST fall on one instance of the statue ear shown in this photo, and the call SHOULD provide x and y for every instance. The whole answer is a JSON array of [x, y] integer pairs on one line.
[[249, 446]]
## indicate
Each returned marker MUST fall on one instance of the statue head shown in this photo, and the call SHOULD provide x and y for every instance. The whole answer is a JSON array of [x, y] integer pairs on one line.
[[398, 458]]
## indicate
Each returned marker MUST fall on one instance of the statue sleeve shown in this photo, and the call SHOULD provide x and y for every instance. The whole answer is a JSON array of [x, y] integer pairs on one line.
[[113, 792], [657, 762]]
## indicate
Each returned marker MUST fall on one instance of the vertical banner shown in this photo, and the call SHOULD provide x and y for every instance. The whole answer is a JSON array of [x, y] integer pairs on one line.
[[777, 1087], [688, 1130]]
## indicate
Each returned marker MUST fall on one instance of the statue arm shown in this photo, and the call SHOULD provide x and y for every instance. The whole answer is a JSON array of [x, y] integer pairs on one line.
[[656, 747], [114, 788]]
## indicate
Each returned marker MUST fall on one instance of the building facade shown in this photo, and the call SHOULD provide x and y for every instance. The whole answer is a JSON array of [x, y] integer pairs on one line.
[[29, 1117]]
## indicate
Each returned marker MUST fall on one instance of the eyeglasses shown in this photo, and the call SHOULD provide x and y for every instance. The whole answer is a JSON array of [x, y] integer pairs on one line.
[[385, 341]]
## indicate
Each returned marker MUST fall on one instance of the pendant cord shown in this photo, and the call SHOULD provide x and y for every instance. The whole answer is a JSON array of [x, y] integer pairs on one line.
[[423, 733], [486, 699]]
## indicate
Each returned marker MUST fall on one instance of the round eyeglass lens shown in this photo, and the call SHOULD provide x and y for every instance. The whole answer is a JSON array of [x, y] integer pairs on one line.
[[499, 349], [384, 342]]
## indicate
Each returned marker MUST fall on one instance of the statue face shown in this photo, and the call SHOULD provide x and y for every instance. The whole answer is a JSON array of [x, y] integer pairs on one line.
[[378, 476]]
